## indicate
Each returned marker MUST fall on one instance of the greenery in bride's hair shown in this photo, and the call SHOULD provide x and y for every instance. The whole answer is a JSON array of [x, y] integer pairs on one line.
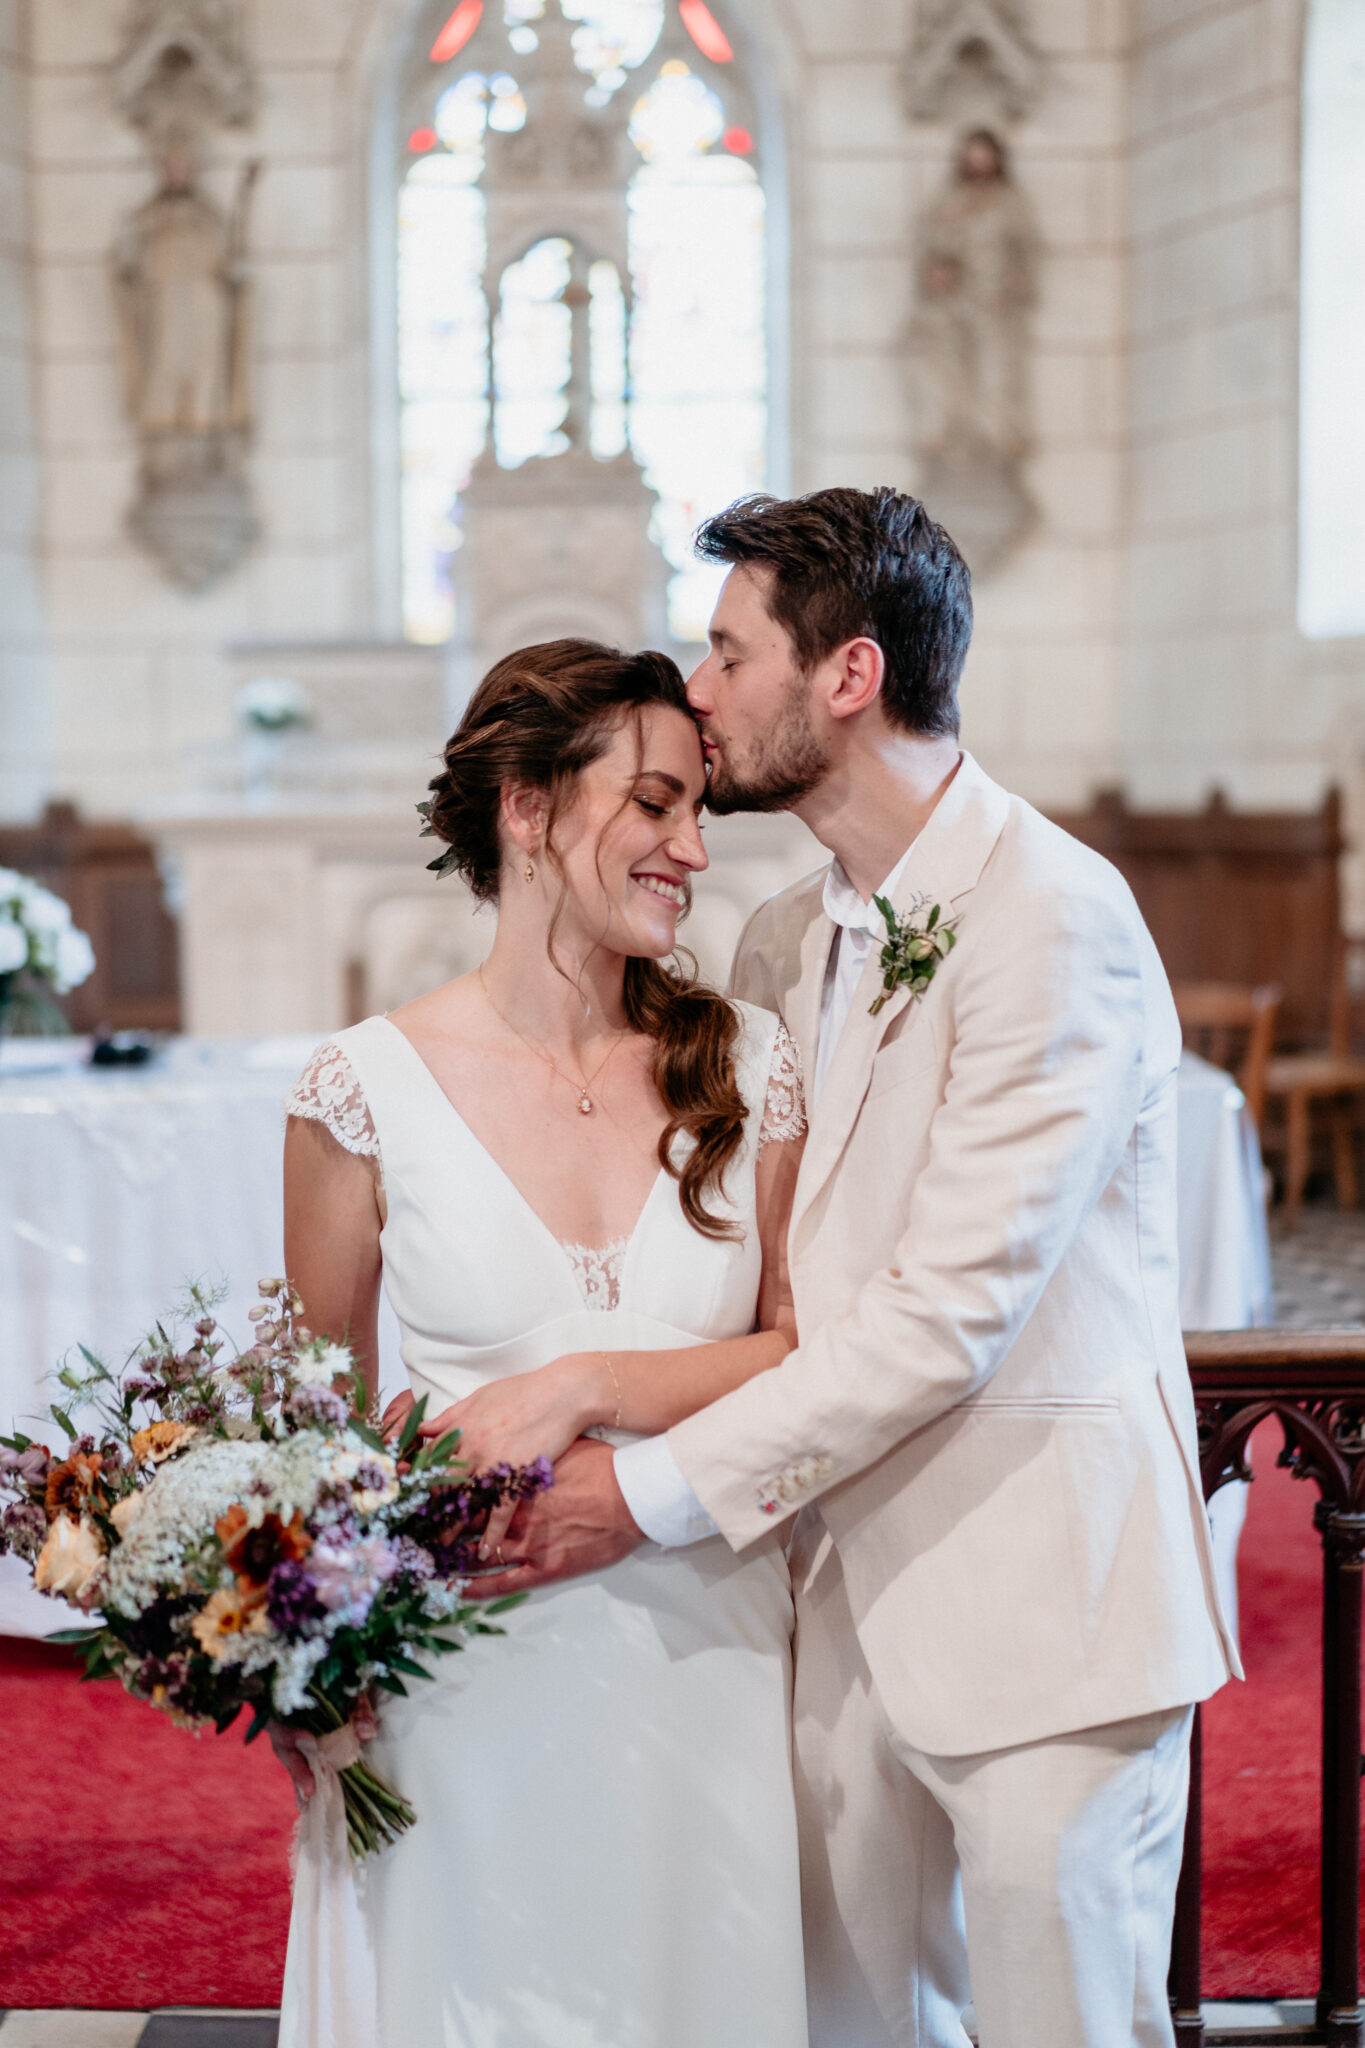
[[910, 957], [449, 860]]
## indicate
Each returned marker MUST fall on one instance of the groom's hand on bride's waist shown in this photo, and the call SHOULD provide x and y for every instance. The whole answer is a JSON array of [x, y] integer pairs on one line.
[[580, 1524]]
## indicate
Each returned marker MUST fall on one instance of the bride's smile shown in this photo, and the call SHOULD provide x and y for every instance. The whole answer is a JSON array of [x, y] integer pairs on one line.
[[630, 842]]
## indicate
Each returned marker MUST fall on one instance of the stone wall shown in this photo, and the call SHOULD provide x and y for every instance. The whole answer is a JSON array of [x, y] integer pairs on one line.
[[138, 672], [137, 669], [1146, 631], [1040, 693], [1219, 685], [25, 767]]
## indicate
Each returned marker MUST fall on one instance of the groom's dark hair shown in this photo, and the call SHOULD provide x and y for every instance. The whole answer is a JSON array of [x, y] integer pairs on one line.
[[845, 565]]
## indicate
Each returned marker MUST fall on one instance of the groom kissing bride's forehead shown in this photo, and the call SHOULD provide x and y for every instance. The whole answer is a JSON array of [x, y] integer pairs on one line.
[[983, 1445]]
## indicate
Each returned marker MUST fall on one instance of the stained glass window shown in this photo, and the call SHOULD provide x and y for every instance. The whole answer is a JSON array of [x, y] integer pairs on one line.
[[677, 355]]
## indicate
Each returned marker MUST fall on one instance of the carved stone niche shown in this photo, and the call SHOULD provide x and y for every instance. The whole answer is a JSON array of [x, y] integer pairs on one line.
[[559, 546], [971, 62], [182, 67]]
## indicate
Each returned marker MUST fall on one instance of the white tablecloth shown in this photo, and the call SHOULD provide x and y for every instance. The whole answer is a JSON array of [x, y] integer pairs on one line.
[[1224, 1250], [120, 1186]]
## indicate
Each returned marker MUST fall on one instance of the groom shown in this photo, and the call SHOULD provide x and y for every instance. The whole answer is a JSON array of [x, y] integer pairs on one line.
[[1004, 1595]]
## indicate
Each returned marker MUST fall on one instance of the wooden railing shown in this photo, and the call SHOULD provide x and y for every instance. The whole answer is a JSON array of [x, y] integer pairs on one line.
[[1314, 1385]]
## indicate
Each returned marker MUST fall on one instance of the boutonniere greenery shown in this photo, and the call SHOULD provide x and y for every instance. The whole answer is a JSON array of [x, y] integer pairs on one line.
[[912, 951]]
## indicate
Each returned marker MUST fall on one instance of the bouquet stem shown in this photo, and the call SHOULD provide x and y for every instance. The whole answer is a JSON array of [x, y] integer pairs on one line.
[[375, 1814]]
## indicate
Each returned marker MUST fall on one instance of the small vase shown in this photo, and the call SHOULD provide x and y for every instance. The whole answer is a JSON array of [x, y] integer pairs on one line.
[[28, 1008]]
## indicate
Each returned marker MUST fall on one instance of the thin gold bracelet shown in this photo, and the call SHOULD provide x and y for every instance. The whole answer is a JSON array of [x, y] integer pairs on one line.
[[617, 1384]]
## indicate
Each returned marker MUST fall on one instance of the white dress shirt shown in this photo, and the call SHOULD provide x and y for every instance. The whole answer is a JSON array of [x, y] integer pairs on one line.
[[659, 1498]]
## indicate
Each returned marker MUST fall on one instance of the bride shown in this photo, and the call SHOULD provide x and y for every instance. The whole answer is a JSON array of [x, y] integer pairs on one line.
[[578, 1163]]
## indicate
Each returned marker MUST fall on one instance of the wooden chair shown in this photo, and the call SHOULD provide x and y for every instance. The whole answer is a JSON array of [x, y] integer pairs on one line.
[[1232, 1027], [1301, 1081]]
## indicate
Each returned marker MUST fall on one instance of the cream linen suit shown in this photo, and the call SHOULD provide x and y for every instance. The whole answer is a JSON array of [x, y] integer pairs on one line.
[[991, 1408]]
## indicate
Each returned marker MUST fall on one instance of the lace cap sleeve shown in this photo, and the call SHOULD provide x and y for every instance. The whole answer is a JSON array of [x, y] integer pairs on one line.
[[784, 1104], [327, 1092]]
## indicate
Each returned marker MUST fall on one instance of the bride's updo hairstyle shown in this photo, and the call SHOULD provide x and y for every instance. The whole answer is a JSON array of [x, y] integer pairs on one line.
[[537, 720]]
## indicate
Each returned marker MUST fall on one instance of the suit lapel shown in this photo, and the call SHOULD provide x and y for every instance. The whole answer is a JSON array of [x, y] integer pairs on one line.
[[943, 866]]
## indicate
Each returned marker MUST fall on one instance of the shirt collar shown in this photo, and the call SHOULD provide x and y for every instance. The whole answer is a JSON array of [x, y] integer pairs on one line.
[[842, 902]]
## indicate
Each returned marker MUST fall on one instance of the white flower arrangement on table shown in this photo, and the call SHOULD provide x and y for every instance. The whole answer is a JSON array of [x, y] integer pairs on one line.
[[257, 1544], [273, 704], [42, 955]]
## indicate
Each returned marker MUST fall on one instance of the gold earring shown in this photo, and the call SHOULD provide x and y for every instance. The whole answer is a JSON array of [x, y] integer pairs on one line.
[[530, 870]]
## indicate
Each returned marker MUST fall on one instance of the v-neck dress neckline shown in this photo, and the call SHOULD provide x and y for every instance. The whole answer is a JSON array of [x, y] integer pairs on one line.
[[565, 1247]]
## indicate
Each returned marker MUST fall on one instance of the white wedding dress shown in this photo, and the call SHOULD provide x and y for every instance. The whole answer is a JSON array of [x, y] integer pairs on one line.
[[605, 1850]]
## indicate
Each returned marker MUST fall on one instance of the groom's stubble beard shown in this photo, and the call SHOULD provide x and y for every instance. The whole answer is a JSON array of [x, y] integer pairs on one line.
[[788, 762]]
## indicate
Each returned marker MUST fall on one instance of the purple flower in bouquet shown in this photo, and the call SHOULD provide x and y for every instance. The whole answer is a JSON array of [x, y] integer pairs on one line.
[[23, 1528], [348, 1577], [292, 1601], [452, 1520], [412, 1560], [318, 1404], [29, 1467], [158, 1678], [153, 1633]]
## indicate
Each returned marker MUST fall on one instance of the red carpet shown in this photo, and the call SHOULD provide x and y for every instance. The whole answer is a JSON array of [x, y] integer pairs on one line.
[[1261, 1751], [141, 1866]]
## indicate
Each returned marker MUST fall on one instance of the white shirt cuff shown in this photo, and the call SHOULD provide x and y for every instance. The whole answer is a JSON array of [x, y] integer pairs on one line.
[[659, 1498]]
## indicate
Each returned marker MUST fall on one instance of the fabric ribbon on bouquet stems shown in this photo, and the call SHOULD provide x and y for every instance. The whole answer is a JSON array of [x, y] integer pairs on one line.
[[331, 1994]]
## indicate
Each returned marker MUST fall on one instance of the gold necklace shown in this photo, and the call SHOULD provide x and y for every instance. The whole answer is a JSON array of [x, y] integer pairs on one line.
[[585, 1102]]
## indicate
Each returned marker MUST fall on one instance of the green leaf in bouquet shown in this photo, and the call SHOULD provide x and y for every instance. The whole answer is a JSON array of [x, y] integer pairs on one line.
[[366, 1434], [416, 1415], [441, 1452], [64, 1422], [486, 1628], [17, 1442], [398, 1662], [96, 1365], [224, 1720], [504, 1605], [392, 1684], [75, 1636], [260, 1721]]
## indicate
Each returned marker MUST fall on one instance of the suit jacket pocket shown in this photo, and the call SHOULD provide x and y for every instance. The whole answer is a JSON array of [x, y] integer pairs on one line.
[[1045, 1404]]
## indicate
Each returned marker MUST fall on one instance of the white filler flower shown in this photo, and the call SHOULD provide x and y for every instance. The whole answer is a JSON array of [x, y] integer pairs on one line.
[[13, 944]]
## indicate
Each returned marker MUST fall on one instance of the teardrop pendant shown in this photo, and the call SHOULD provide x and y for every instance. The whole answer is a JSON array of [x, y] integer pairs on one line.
[[585, 1104]]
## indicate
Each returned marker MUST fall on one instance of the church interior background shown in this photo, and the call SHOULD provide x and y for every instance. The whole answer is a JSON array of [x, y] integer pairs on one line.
[[346, 345]]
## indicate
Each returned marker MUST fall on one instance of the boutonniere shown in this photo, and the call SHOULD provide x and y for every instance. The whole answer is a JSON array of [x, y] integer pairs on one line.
[[912, 951]]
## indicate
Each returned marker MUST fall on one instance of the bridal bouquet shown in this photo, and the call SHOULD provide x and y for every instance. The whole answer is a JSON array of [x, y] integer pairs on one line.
[[250, 1541]]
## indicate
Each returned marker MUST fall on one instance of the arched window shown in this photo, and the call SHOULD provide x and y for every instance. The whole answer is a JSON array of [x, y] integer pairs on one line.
[[670, 267], [1332, 323]]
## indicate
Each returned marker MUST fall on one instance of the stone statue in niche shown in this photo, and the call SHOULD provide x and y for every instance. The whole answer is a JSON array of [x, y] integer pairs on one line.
[[975, 283], [183, 298], [181, 282], [182, 292]]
